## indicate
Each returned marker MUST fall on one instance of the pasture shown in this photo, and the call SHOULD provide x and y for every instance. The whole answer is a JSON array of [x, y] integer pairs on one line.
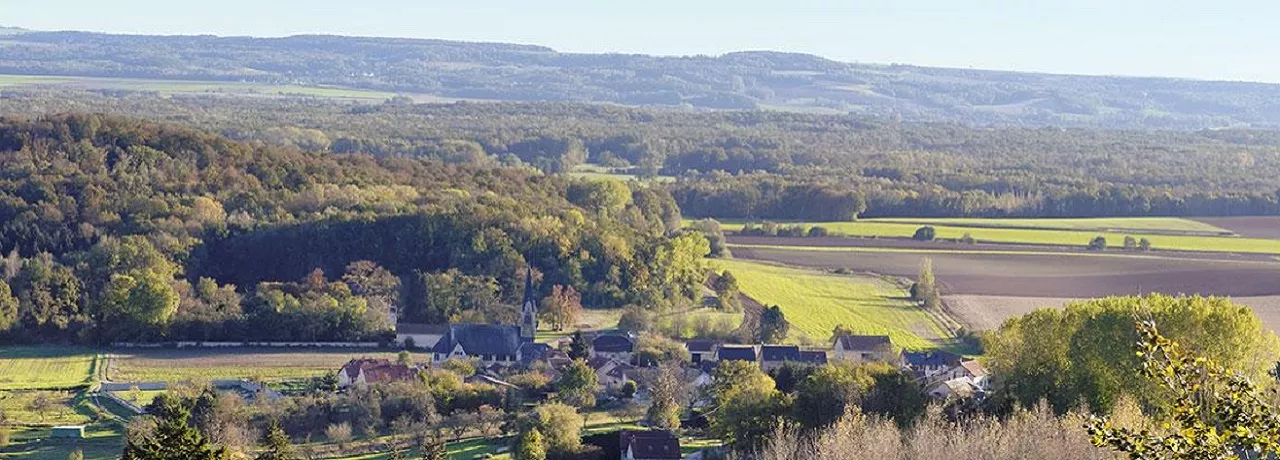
[[1046, 237], [174, 365], [815, 303], [1115, 224], [44, 368]]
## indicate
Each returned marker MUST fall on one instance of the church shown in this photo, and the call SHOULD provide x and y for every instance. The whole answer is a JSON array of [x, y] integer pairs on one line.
[[501, 344]]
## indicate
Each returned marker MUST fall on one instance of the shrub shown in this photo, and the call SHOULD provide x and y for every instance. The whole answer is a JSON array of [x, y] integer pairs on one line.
[[1130, 243], [1098, 243], [1144, 244], [968, 239], [925, 233], [818, 231]]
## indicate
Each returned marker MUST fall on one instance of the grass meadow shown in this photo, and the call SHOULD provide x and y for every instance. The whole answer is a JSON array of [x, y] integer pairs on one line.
[[43, 368], [1078, 238], [815, 303]]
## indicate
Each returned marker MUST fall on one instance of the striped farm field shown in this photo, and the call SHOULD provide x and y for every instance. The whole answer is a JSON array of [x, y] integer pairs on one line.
[[815, 302], [40, 368], [1030, 236], [169, 365], [1164, 224]]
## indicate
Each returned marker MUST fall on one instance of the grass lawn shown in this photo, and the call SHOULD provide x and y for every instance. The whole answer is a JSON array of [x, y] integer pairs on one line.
[[1169, 224], [269, 364], [64, 408], [144, 397], [103, 441], [815, 302], [1078, 238], [35, 368]]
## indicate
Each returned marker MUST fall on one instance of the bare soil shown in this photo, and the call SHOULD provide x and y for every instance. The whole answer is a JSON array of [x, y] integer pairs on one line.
[[985, 312], [1247, 226]]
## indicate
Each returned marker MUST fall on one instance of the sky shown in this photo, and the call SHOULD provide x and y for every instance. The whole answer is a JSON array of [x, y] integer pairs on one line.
[[1218, 39]]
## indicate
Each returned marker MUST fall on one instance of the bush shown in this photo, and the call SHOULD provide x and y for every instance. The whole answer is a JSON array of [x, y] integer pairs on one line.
[[1098, 243], [925, 233], [791, 230], [968, 239], [1144, 244], [818, 231], [1130, 243]]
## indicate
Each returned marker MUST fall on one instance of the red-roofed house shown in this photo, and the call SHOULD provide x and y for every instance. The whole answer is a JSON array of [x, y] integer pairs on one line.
[[368, 370]]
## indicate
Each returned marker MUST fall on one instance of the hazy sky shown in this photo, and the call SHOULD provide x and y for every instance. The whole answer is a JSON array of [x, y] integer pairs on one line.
[[1213, 39]]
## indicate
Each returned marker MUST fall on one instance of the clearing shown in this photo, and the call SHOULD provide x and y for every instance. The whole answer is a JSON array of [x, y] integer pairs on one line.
[[815, 303]]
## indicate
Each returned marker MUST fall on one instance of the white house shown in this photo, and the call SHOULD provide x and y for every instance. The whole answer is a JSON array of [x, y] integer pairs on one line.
[[861, 348]]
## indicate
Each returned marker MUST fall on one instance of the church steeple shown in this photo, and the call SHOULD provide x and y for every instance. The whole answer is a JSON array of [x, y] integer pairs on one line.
[[528, 308]]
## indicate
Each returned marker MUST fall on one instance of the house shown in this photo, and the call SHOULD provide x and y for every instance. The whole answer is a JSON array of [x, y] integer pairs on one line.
[[67, 432], [976, 373], [929, 365], [615, 346], [367, 370], [700, 350], [610, 373], [954, 389], [737, 353], [648, 445], [530, 352], [487, 343], [861, 348], [774, 356], [417, 335]]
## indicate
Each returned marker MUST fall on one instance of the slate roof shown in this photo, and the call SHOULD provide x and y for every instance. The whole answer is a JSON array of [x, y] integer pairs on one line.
[[421, 329], [612, 343], [813, 356], [864, 342], [931, 358], [737, 353], [780, 353], [481, 339], [700, 346], [656, 444], [530, 352]]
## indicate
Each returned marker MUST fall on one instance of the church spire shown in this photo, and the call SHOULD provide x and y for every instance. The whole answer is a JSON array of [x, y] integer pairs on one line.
[[528, 308]]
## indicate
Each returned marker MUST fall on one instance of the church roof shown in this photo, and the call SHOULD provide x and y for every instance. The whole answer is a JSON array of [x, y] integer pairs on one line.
[[481, 339]]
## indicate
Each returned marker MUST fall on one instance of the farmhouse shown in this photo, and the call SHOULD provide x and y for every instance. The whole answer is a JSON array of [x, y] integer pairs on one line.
[[415, 335], [774, 356], [614, 346], [701, 350], [649, 445], [737, 353], [861, 348], [368, 370]]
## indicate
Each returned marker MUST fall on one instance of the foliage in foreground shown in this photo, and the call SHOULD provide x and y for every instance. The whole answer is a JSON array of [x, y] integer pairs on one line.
[[1217, 413]]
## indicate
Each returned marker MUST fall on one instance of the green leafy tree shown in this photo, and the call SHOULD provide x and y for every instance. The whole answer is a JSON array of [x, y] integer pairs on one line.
[[577, 385], [173, 437], [925, 289], [726, 288], [561, 426], [1216, 412], [825, 395], [747, 405], [277, 446], [925, 233], [76, 455], [1144, 244], [8, 307], [773, 325], [531, 446]]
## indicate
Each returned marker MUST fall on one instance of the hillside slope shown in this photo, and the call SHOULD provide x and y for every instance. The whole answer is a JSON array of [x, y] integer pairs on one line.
[[742, 80]]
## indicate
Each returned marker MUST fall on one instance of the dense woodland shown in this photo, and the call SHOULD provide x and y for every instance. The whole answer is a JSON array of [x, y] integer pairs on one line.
[[762, 165], [743, 80], [122, 229]]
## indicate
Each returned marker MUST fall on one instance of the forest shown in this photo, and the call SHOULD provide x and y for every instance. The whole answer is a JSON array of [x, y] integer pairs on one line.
[[738, 81], [760, 165], [119, 229]]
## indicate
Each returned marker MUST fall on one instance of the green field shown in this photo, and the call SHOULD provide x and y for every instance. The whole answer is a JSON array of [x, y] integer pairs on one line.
[[103, 441], [1167, 224], [815, 303], [35, 368], [180, 365], [1077, 238], [597, 172]]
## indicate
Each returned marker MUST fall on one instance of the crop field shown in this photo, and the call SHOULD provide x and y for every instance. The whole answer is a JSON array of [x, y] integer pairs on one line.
[[1031, 236], [170, 365], [35, 368], [815, 303], [1163, 224], [1249, 226]]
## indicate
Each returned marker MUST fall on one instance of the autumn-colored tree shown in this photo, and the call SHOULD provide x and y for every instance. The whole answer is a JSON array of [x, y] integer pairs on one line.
[[562, 308]]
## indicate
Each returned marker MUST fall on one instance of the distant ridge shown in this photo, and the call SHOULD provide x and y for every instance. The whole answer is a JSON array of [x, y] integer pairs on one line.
[[746, 80]]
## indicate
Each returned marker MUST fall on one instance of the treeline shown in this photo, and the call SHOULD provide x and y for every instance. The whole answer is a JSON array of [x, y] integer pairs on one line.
[[118, 229], [765, 165]]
